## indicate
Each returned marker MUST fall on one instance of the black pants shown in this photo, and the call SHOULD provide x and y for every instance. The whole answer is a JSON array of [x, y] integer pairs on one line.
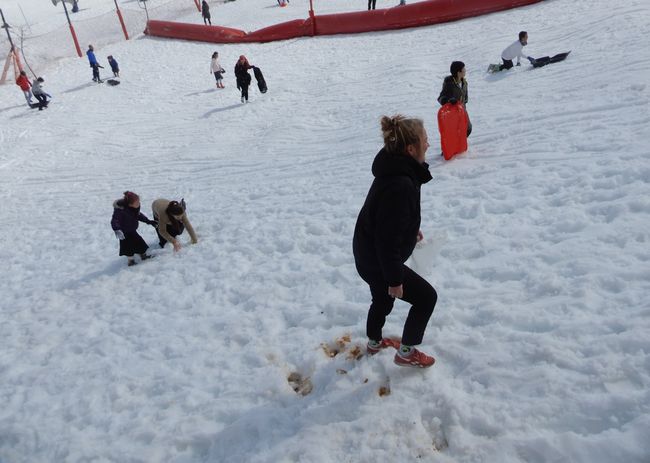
[[42, 101], [244, 91], [417, 291], [172, 231], [96, 73], [206, 20], [469, 126], [507, 64], [372, 3]]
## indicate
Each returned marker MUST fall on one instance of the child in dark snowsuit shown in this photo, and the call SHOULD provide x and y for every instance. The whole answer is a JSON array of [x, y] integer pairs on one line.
[[114, 66], [454, 89], [126, 215]]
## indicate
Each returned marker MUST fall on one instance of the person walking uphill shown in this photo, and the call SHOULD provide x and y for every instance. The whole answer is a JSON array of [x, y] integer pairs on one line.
[[94, 64], [243, 77], [205, 11], [385, 235], [172, 221], [126, 216], [454, 89]]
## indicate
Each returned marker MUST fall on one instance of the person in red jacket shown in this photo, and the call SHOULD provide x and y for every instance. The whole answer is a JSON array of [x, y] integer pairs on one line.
[[25, 85]]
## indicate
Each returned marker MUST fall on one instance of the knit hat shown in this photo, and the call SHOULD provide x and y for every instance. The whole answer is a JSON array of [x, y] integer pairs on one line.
[[456, 67], [130, 197]]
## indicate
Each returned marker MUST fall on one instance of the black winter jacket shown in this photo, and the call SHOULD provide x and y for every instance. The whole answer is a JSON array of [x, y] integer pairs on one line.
[[389, 221], [126, 218], [242, 75], [450, 89]]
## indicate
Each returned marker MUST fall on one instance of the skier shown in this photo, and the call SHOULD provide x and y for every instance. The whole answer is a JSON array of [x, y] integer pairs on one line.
[[172, 221], [90, 53], [454, 89], [25, 85], [385, 235], [126, 215], [205, 11], [243, 77], [515, 50], [39, 93], [114, 66], [217, 70]]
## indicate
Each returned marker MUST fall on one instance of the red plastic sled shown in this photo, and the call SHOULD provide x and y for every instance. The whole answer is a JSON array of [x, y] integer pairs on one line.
[[452, 124]]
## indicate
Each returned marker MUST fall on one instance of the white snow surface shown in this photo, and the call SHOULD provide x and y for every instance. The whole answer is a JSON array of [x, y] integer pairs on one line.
[[542, 231]]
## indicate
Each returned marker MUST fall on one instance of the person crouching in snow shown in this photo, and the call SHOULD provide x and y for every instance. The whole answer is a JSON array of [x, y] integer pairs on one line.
[[243, 77], [387, 229], [114, 66], [172, 221], [39, 93], [125, 221], [217, 70], [515, 50], [454, 89], [25, 85]]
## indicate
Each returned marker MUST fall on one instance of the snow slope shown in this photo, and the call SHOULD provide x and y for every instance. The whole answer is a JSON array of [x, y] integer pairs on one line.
[[541, 331]]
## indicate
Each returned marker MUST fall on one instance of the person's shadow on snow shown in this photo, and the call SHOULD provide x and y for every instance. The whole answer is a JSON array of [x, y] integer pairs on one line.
[[218, 110], [80, 87]]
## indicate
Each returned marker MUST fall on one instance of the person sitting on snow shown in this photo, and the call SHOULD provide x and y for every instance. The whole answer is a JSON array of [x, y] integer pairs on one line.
[[515, 50]]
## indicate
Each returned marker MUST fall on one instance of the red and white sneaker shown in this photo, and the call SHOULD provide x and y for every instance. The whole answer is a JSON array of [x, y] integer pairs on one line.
[[386, 342], [414, 359]]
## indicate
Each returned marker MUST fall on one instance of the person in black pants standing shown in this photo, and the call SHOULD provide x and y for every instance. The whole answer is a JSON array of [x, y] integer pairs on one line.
[[372, 3], [243, 77], [387, 229]]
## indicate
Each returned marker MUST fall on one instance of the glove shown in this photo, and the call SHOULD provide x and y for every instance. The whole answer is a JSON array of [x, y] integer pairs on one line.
[[119, 235], [153, 223], [452, 101]]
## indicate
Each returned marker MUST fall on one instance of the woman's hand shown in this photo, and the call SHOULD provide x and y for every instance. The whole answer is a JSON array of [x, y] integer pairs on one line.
[[396, 291], [177, 246]]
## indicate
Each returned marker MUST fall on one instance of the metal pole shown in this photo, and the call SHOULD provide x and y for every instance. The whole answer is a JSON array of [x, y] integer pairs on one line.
[[119, 15], [74, 36], [5, 26]]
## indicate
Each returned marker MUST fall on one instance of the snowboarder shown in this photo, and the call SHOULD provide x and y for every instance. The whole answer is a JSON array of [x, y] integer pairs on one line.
[[25, 85], [39, 93], [387, 229], [90, 53], [125, 220], [205, 11], [243, 77], [172, 221], [454, 89], [217, 70], [114, 66], [515, 50]]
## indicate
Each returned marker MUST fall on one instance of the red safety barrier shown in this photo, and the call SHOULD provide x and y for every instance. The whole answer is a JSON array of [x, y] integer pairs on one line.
[[399, 17]]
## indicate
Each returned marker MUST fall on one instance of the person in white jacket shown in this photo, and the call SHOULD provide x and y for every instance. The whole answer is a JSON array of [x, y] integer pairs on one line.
[[217, 70], [39, 93], [516, 50]]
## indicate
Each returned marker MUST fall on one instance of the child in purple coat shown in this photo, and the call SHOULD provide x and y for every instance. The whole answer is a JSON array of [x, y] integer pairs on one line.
[[126, 216]]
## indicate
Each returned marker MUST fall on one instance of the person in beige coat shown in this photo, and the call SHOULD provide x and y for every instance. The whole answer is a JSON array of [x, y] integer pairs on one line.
[[172, 221]]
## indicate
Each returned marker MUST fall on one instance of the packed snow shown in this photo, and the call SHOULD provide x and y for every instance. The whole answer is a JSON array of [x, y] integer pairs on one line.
[[541, 234]]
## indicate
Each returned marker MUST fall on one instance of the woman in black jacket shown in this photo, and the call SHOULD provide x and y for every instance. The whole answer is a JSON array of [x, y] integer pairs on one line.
[[243, 77], [385, 235], [454, 89]]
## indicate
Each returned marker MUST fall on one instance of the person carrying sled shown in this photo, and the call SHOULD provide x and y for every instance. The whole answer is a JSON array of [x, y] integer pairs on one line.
[[243, 77], [39, 93], [515, 50], [217, 70], [94, 64], [454, 89], [25, 85], [114, 66], [205, 11], [387, 229], [172, 221], [125, 221]]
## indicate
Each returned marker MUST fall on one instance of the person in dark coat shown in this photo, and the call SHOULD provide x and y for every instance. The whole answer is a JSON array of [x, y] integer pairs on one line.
[[387, 229], [114, 66], [205, 11], [125, 220], [454, 89], [243, 77]]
